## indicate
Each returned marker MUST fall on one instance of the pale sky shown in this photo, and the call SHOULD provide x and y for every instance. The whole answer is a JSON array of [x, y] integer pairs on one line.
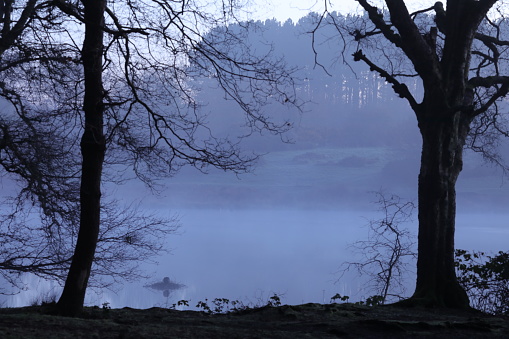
[[296, 9]]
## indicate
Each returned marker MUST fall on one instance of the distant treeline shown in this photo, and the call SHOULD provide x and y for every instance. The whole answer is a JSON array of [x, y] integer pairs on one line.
[[345, 103]]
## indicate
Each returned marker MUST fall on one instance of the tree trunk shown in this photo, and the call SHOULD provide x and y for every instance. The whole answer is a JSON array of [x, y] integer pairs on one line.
[[443, 134], [92, 149]]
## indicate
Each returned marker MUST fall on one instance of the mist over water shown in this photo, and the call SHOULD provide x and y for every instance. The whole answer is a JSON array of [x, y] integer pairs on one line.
[[245, 255], [249, 255]]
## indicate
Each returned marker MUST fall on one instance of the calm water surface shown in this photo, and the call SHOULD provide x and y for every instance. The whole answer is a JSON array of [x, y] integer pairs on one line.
[[249, 255]]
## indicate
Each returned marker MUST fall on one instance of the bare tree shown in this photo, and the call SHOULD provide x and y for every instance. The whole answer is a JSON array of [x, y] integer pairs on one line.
[[460, 60], [40, 123], [383, 257], [139, 63]]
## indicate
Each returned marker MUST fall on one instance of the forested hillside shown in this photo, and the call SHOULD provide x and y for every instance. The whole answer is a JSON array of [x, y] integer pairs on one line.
[[346, 105]]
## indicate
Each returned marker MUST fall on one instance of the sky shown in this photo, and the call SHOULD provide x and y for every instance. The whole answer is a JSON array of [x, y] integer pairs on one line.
[[296, 9]]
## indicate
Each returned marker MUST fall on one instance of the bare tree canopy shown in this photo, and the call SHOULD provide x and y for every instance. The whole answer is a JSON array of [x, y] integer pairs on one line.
[[40, 76], [152, 58], [139, 108]]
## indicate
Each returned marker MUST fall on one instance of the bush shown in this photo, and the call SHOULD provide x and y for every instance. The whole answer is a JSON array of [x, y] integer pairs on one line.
[[485, 279], [225, 306], [46, 298]]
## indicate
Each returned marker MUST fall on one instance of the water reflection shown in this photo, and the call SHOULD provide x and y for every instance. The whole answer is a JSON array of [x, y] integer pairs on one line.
[[167, 286]]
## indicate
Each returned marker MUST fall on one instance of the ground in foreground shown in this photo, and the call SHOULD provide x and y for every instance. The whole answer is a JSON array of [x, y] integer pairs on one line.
[[302, 321]]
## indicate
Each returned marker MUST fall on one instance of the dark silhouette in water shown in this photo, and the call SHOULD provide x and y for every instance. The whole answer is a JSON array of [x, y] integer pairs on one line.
[[167, 286]]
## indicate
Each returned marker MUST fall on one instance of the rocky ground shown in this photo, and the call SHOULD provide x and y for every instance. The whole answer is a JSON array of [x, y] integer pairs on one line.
[[302, 321]]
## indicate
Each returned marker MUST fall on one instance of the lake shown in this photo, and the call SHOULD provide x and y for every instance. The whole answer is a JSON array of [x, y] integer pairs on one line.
[[249, 255]]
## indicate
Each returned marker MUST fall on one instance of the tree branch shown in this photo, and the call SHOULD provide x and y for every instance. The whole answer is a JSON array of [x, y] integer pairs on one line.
[[69, 9], [10, 35], [488, 81], [413, 44], [500, 82], [398, 87], [377, 18]]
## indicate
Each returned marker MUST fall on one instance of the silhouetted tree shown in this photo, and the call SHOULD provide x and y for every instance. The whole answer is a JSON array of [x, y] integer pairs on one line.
[[383, 256], [459, 57], [140, 63], [40, 123], [93, 148]]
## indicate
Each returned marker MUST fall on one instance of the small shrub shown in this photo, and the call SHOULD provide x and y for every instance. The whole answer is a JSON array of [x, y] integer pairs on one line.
[[224, 305], [180, 303], [274, 301], [46, 298], [238, 306], [204, 306], [221, 305], [374, 300], [485, 278], [339, 297]]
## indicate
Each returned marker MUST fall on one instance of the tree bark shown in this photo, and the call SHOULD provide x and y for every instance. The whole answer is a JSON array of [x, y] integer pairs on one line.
[[92, 149], [443, 134]]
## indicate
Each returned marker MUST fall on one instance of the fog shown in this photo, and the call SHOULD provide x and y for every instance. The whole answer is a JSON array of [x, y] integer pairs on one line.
[[285, 227], [249, 254]]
